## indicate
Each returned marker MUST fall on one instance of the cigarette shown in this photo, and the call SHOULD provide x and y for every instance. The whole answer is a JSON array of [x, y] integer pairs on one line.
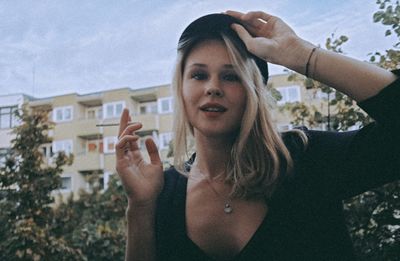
[[112, 124], [107, 124]]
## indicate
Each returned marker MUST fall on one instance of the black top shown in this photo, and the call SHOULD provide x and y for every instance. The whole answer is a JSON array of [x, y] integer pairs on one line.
[[304, 219]]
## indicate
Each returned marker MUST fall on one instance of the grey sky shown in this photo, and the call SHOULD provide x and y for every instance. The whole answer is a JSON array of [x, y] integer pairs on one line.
[[57, 47]]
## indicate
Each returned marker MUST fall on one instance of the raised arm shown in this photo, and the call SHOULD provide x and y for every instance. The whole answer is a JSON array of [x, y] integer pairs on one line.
[[269, 38], [142, 182]]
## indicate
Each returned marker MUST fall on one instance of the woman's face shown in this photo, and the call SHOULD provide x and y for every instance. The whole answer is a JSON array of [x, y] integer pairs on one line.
[[213, 94]]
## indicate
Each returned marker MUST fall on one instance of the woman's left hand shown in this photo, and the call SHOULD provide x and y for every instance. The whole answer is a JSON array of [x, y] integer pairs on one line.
[[271, 39]]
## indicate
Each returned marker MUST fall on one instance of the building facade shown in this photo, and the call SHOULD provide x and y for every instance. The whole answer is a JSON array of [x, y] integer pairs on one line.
[[77, 118]]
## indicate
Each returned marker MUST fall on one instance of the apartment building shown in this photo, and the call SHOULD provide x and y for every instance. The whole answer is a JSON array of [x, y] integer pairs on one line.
[[8, 105], [295, 91], [76, 131], [77, 117]]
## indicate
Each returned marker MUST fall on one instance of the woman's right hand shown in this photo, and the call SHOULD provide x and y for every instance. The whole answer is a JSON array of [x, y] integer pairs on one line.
[[271, 39], [142, 181]]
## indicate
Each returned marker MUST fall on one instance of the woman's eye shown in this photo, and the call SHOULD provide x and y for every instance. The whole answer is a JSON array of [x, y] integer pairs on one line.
[[199, 76], [231, 77]]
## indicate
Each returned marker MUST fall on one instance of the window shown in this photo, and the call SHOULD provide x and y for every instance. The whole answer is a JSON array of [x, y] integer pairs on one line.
[[95, 181], [94, 113], [61, 114], [7, 117], [47, 150], [106, 179], [165, 139], [321, 95], [113, 109], [289, 94], [63, 145], [95, 146], [109, 144], [285, 127], [148, 108], [165, 105], [66, 183]]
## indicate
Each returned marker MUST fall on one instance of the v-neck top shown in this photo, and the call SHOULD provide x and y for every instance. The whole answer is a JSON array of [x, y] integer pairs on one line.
[[305, 217]]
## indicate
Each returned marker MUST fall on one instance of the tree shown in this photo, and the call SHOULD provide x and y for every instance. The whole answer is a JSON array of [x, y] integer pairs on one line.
[[26, 184], [373, 218], [389, 15], [336, 111], [94, 223]]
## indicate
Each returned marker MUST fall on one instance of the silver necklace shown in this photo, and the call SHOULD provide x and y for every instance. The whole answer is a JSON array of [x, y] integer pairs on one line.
[[227, 202]]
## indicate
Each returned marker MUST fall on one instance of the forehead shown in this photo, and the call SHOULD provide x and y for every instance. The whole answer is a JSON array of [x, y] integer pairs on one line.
[[208, 50]]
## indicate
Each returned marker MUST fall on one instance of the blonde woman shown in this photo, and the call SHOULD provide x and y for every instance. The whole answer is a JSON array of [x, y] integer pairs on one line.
[[248, 192]]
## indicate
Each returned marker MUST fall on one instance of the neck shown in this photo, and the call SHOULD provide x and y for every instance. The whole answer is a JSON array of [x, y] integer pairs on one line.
[[212, 155]]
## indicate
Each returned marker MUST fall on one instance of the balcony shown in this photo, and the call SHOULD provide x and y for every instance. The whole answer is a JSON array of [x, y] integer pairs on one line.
[[149, 121], [88, 161], [87, 129]]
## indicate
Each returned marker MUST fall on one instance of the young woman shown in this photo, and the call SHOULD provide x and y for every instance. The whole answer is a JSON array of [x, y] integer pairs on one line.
[[248, 192]]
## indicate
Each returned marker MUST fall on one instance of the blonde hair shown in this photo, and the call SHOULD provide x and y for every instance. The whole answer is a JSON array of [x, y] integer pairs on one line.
[[258, 154]]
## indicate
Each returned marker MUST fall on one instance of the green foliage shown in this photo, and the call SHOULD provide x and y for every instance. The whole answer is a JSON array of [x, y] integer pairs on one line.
[[26, 185], [94, 223], [389, 15], [373, 218], [337, 111]]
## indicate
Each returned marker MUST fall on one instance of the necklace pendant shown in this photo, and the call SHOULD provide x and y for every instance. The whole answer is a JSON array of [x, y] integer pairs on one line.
[[228, 209]]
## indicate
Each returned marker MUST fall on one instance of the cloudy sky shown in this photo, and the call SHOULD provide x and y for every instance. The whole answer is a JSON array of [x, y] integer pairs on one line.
[[56, 47]]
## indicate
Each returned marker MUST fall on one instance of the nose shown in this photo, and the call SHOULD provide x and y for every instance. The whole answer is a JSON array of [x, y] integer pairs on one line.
[[213, 90]]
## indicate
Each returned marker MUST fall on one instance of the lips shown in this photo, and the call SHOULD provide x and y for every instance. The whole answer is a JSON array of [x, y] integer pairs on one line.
[[213, 107]]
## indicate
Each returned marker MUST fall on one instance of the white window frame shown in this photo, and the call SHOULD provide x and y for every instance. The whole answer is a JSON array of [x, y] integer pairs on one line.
[[63, 145], [49, 150], [114, 113], [148, 107], [7, 115], [164, 137], [284, 91], [98, 112], [106, 178], [63, 111], [285, 127], [322, 95], [66, 189], [170, 105], [106, 141]]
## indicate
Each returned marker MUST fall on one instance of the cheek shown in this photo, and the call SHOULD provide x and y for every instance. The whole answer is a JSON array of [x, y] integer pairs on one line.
[[188, 97], [240, 98], [190, 93]]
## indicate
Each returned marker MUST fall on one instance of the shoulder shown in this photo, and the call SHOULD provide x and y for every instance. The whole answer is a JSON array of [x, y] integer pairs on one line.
[[171, 176], [173, 183], [302, 139]]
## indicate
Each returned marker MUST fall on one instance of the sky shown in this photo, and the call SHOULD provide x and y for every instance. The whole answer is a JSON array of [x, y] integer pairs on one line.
[[50, 48]]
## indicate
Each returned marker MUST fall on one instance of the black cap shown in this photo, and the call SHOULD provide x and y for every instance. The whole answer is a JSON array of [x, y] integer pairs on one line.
[[211, 27]]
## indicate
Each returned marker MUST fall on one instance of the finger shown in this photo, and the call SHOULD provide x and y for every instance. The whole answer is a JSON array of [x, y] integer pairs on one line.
[[131, 128], [257, 15], [239, 16], [123, 121], [236, 14], [153, 152], [124, 143], [243, 34]]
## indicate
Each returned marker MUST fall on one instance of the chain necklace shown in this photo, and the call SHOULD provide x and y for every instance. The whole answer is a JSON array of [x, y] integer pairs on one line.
[[227, 202]]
